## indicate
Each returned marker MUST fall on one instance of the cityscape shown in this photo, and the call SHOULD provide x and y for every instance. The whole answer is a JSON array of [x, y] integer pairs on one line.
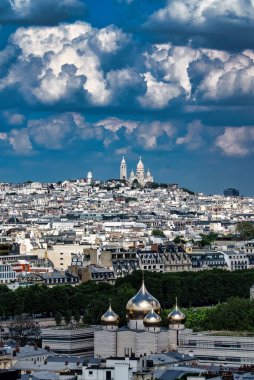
[[126, 190], [92, 235]]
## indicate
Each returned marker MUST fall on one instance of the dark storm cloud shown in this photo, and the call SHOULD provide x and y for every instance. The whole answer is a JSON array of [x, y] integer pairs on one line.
[[226, 25], [40, 12], [126, 85]]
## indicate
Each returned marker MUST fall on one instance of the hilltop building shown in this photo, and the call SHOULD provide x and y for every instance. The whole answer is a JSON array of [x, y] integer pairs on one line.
[[89, 177], [123, 169], [230, 192], [140, 174]]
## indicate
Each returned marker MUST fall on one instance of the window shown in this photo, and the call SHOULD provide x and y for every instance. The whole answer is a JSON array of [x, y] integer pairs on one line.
[[192, 343], [90, 372]]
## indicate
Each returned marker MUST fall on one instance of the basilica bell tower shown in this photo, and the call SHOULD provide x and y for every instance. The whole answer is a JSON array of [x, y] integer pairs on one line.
[[123, 169]]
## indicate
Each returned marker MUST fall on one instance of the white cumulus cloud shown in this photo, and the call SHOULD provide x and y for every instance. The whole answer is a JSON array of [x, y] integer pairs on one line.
[[236, 141], [67, 60], [201, 11], [20, 142], [226, 78], [113, 124], [167, 77]]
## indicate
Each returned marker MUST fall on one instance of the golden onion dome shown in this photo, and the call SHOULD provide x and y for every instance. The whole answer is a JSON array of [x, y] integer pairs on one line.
[[152, 319], [141, 304], [176, 316], [110, 318]]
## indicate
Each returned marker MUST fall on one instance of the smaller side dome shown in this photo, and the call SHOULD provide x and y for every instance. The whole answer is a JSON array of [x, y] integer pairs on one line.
[[132, 175], [176, 317], [152, 319], [110, 318]]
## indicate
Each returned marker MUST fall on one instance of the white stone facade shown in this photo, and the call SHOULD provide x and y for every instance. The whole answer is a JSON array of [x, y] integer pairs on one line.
[[140, 174], [7, 274], [126, 342]]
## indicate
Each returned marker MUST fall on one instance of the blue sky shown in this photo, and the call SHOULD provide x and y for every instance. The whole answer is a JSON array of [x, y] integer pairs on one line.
[[83, 82]]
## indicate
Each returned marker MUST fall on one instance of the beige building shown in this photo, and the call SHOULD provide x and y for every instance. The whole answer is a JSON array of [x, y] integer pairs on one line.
[[177, 262], [94, 273], [61, 255]]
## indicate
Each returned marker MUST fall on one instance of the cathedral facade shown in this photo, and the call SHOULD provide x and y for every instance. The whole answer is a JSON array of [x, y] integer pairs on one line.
[[140, 174], [143, 334]]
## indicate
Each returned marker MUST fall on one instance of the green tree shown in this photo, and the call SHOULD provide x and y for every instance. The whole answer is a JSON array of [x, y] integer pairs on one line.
[[5, 249], [158, 233], [207, 239], [193, 289], [153, 185], [25, 330], [196, 317], [245, 230], [179, 239], [188, 191], [58, 318], [77, 316], [234, 315], [67, 317], [135, 184]]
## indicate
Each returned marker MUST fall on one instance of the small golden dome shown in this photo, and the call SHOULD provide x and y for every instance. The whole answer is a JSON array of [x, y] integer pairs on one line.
[[176, 316], [152, 319], [141, 304], [110, 318]]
